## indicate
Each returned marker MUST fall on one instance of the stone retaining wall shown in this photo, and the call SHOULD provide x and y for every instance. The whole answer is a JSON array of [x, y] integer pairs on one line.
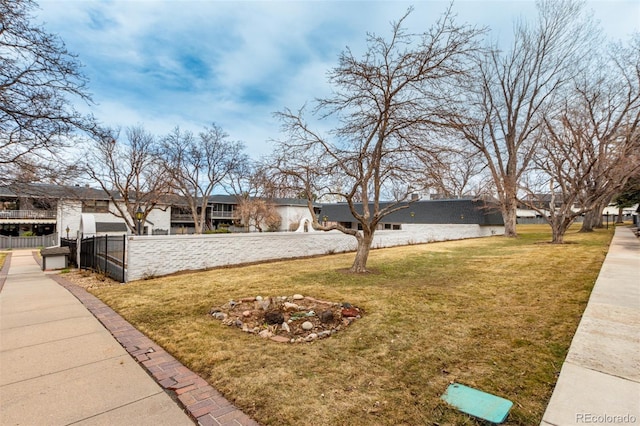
[[149, 256]]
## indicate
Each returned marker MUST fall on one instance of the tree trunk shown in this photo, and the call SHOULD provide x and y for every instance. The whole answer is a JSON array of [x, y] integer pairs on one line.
[[620, 216], [362, 254], [587, 223], [558, 229], [510, 218]]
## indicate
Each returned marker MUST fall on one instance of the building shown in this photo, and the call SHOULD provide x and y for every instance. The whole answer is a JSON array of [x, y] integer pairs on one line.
[[442, 212], [43, 209]]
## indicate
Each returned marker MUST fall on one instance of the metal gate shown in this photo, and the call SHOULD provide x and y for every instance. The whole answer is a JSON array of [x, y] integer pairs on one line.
[[73, 249], [105, 255]]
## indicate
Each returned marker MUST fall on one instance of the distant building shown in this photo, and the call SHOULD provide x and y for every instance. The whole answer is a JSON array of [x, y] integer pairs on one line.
[[43, 209], [457, 211]]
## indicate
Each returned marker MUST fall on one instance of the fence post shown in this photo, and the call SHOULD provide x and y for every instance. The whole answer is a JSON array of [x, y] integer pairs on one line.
[[124, 251], [106, 254]]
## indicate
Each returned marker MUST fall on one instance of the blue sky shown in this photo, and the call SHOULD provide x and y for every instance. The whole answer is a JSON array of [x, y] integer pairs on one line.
[[190, 63]]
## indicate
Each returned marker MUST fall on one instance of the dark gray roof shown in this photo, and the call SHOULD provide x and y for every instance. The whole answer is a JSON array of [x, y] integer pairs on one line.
[[431, 211], [55, 251], [111, 227], [43, 190]]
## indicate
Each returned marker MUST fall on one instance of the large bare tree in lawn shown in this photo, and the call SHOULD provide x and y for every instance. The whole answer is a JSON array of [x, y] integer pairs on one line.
[[384, 103], [197, 164], [590, 146], [128, 169], [513, 88]]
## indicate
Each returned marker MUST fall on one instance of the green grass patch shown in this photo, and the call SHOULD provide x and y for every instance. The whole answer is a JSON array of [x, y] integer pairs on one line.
[[497, 314]]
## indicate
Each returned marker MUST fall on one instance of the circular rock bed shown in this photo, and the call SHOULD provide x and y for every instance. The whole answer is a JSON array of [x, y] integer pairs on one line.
[[286, 319]]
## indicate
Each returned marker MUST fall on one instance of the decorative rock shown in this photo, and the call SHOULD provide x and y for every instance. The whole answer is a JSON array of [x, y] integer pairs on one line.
[[238, 323], [258, 298], [280, 339], [220, 315], [350, 312], [232, 304], [312, 336], [273, 317], [286, 327], [213, 311], [307, 325], [290, 306], [247, 299], [298, 297], [264, 304], [326, 316], [246, 314], [346, 305], [325, 333], [265, 334]]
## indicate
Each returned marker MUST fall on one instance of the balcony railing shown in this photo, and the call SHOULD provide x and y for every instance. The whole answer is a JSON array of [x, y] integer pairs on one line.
[[215, 214], [27, 214], [222, 213]]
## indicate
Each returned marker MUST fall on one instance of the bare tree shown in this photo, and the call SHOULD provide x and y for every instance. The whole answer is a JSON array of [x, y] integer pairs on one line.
[[38, 80], [613, 104], [591, 146], [503, 104], [129, 172], [258, 213], [196, 165], [456, 172], [384, 104]]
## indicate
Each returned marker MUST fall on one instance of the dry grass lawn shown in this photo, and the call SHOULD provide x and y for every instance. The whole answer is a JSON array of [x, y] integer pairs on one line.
[[497, 314]]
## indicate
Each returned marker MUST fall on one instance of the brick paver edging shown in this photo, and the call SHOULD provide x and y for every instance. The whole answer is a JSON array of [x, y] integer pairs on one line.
[[5, 270], [201, 401]]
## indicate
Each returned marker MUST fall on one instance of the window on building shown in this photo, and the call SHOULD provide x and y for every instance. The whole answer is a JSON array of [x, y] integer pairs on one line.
[[95, 206]]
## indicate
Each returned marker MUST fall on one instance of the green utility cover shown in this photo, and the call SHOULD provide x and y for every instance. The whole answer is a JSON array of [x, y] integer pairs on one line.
[[477, 403]]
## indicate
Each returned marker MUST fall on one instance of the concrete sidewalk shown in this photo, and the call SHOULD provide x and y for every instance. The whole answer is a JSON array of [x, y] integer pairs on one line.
[[599, 383], [60, 366]]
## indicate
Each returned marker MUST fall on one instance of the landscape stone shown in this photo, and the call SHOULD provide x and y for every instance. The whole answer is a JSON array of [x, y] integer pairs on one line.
[[298, 297], [273, 317], [265, 334], [350, 312], [290, 306], [288, 322], [326, 316]]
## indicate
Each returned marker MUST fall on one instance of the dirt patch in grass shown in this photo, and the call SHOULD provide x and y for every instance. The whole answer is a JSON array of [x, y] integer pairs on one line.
[[497, 314]]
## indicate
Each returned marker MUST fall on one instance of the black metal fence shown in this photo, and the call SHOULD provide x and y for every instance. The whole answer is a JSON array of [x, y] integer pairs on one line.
[[73, 249], [105, 255]]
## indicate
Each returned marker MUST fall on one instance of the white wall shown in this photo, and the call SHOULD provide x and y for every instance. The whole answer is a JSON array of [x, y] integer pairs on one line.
[[161, 255], [68, 214], [292, 214]]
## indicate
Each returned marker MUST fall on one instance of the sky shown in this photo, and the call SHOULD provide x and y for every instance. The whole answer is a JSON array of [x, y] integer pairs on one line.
[[187, 63]]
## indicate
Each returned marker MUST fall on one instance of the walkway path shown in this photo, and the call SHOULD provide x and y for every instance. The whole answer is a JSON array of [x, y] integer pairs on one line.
[[59, 365], [600, 379]]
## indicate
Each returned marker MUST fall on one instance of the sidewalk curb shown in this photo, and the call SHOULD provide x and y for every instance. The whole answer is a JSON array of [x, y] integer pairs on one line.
[[201, 401], [5, 270]]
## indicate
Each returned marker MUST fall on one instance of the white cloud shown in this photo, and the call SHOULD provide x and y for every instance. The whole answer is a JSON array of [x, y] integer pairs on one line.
[[190, 63]]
